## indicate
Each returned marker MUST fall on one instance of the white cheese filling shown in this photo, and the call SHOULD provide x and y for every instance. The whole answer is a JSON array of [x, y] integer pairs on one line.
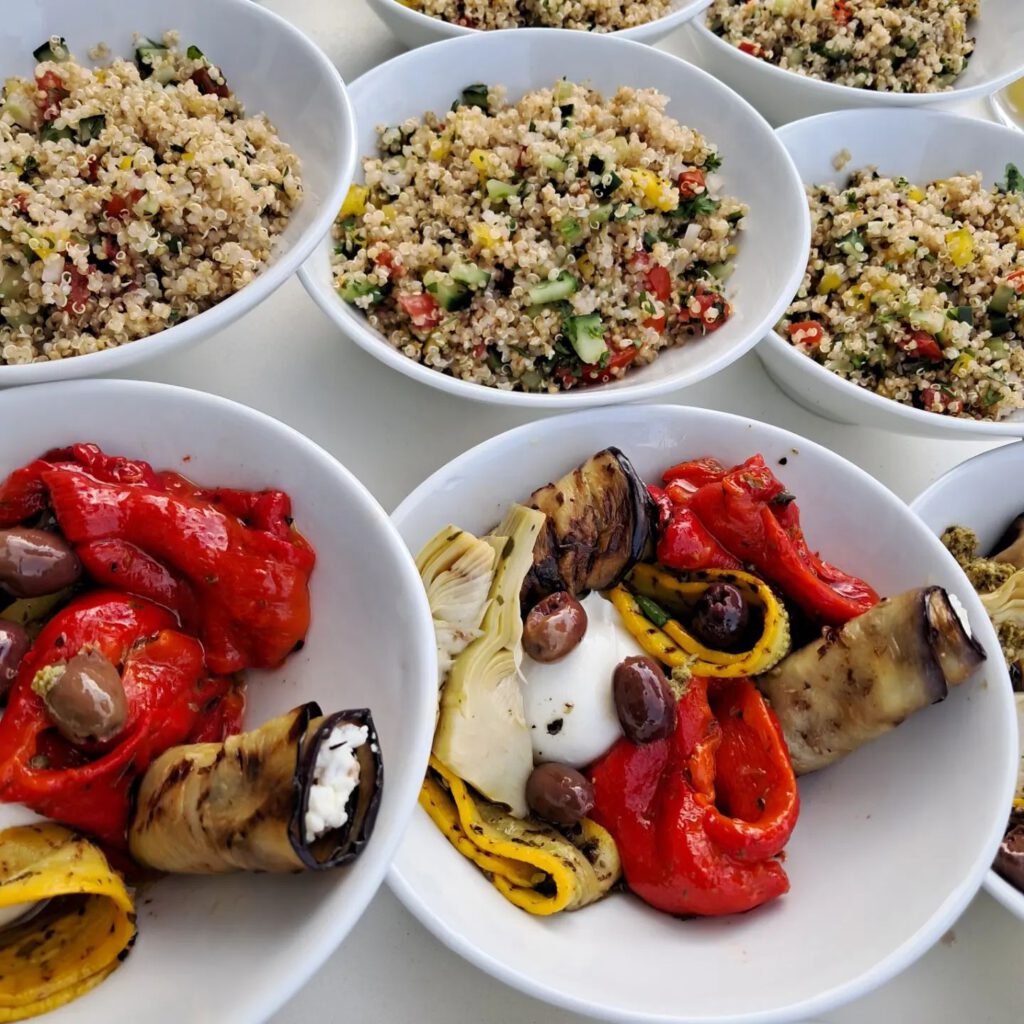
[[961, 613], [335, 777]]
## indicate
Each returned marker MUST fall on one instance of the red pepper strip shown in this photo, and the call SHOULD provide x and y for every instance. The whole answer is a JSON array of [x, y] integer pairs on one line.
[[252, 587], [115, 469], [22, 494], [685, 544], [657, 801], [122, 566], [756, 790], [167, 691], [223, 720], [263, 510], [741, 512], [697, 472]]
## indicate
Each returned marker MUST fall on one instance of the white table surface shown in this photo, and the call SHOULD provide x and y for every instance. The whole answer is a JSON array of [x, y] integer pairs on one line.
[[287, 359]]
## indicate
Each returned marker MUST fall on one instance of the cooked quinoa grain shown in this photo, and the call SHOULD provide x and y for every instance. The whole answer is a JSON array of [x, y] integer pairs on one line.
[[590, 15], [541, 245], [132, 197], [916, 292], [887, 45]]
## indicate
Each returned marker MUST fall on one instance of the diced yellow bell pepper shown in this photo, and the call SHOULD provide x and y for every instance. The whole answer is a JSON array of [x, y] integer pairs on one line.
[[658, 193], [1020, 235], [355, 201], [829, 282], [960, 245], [586, 268], [962, 367], [126, 163], [484, 235], [916, 194], [441, 148], [389, 213]]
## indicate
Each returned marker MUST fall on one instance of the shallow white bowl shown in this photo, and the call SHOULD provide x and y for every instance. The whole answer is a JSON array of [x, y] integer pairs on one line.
[[773, 248], [985, 493], [1005, 111], [921, 145], [414, 28], [891, 844], [785, 96], [273, 68], [232, 949]]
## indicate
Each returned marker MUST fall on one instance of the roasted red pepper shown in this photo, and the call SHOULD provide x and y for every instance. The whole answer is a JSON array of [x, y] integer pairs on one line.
[[685, 544], [700, 818], [751, 516], [170, 695]]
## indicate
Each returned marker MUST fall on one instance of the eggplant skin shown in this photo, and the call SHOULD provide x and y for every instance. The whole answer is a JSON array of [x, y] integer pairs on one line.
[[601, 521], [856, 683], [343, 845]]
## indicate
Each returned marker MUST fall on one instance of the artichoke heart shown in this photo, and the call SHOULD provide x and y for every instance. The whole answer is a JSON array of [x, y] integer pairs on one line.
[[82, 928], [482, 735], [672, 644], [457, 570], [532, 865]]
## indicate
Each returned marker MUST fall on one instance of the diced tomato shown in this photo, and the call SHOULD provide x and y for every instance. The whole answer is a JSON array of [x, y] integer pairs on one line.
[[696, 473], [207, 86], [119, 206], [565, 377], [922, 345], [91, 169], [51, 87], [422, 309], [936, 400], [691, 183], [706, 307], [807, 332], [1016, 281], [110, 249], [387, 259], [752, 48], [841, 11], [641, 261], [659, 282], [79, 293], [656, 323], [603, 374], [479, 351], [20, 201]]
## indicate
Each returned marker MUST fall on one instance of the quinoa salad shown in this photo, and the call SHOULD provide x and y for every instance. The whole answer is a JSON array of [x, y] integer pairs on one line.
[[135, 195], [916, 292], [542, 245], [589, 15], [887, 45]]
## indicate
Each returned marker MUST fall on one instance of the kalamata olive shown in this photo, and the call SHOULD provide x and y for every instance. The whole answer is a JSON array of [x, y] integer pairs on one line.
[[643, 700], [87, 701], [554, 627], [36, 562], [558, 793], [14, 643], [720, 617]]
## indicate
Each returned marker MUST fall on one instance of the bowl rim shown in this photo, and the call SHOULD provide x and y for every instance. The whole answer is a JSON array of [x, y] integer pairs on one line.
[[264, 995], [355, 327], [929, 422], [849, 94], [448, 30], [281, 266], [948, 911], [996, 886]]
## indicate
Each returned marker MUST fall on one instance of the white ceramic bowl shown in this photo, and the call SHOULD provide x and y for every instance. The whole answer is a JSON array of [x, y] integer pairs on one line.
[[414, 28], [1007, 111], [772, 248], [891, 844], [273, 68], [785, 96], [921, 145], [231, 949], [985, 493]]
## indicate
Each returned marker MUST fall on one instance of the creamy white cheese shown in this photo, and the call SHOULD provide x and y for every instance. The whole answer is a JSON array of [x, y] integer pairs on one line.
[[961, 613], [335, 777], [568, 703]]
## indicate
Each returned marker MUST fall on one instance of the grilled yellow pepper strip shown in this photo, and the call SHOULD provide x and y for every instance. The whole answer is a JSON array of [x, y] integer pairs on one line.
[[677, 594], [83, 929], [531, 864]]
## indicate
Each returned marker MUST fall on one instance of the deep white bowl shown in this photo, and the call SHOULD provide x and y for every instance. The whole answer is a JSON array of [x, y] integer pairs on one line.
[[985, 493], [273, 68], [772, 249], [891, 844], [921, 145], [231, 949], [414, 28], [785, 95]]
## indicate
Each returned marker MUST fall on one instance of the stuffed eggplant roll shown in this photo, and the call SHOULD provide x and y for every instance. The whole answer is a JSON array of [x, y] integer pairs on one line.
[[858, 682], [299, 793]]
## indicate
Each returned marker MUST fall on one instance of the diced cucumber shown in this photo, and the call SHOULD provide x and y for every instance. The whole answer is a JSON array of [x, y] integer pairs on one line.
[[194, 53], [721, 271], [586, 335], [999, 324], [596, 165], [852, 244], [19, 102], [607, 185], [571, 230], [631, 212], [930, 320], [601, 215], [554, 163], [1001, 299], [475, 96], [146, 55], [12, 282], [500, 190], [962, 315], [89, 128], [470, 274], [532, 381], [563, 90], [51, 133], [553, 291], [352, 289], [451, 295], [55, 48]]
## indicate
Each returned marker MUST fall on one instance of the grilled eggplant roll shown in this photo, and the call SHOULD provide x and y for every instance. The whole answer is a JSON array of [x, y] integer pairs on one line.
[[67, 919], [858, 682], [299, 793], [601, 522]]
